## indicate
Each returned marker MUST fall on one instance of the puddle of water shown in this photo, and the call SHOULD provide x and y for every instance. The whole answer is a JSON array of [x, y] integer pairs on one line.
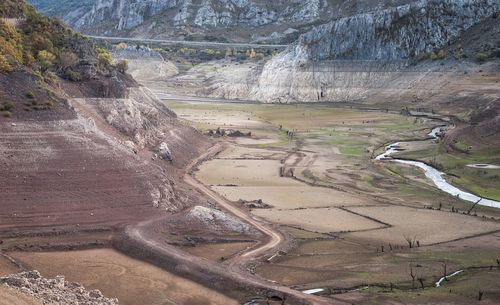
[[313, 291], [484, 166]]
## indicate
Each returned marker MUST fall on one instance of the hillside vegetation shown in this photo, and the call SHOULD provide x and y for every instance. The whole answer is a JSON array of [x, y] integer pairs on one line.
[[45, 45]]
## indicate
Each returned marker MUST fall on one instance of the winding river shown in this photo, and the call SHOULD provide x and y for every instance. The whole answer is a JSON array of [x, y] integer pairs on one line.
[[436, 176]]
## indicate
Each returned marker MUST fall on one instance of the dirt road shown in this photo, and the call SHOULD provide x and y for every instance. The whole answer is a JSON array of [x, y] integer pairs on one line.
[[235, 271], [274, 237]]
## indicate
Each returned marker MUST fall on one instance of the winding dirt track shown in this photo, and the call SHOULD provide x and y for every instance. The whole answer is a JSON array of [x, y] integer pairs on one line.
[[275, 238], [235, 271]]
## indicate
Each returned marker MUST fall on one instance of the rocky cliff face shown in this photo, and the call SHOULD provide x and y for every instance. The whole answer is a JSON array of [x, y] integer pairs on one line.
[[269, 20], [382, 36], [394, 33], [125, 15]]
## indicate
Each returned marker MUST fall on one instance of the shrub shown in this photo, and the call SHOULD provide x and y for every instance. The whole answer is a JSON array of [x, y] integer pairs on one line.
[[7, 114], [30, 95], [73, 76], [5, 66], [481, 57], [7, 106], [438, 55], [122, 66], [68, 60], [49, 77], [45, 59], [104, 57]]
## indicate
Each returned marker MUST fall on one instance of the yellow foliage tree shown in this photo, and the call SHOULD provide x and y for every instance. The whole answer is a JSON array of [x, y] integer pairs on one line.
[[45, 59], [11, 47], [104, 57]]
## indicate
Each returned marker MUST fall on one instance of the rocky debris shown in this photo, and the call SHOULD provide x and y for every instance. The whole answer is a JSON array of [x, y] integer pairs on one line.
[[164, 152], [55, 291], [141, 116], [254, 204], [219, 132], [218, 220]]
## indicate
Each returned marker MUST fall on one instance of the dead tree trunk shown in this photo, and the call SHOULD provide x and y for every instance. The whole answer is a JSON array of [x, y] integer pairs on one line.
[[412, 277], [421, 280], [480, 295]]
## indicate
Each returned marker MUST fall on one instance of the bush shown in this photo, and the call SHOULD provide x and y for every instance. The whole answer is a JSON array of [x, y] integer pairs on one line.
[[5, 66], [49, 77], [481, 57], [45, 59], [122, 66], [438, 55], [7, 114], [7, 106], [104, 57], [30, 95], [68, 60], [73, 76]]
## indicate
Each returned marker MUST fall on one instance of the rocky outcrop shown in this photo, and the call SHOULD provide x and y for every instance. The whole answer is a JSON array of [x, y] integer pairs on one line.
[[400, 32], [211, 13], [216, 220], [379, 42], [279, 20], [54, 291], [164, 152], [142, 125]]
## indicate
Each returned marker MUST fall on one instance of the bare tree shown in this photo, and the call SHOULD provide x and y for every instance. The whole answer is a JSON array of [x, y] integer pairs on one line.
[[412, 277], [421, 280], [480, 295], [410, 240], [445, 272]]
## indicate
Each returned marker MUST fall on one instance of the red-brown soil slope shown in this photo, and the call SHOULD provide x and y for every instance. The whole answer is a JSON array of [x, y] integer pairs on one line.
[[73, 169]]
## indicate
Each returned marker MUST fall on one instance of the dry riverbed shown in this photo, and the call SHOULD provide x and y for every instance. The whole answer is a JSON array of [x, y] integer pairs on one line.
[[311, 166]]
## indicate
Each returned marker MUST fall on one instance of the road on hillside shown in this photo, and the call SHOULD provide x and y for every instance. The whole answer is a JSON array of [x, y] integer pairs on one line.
[[198, 44]]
